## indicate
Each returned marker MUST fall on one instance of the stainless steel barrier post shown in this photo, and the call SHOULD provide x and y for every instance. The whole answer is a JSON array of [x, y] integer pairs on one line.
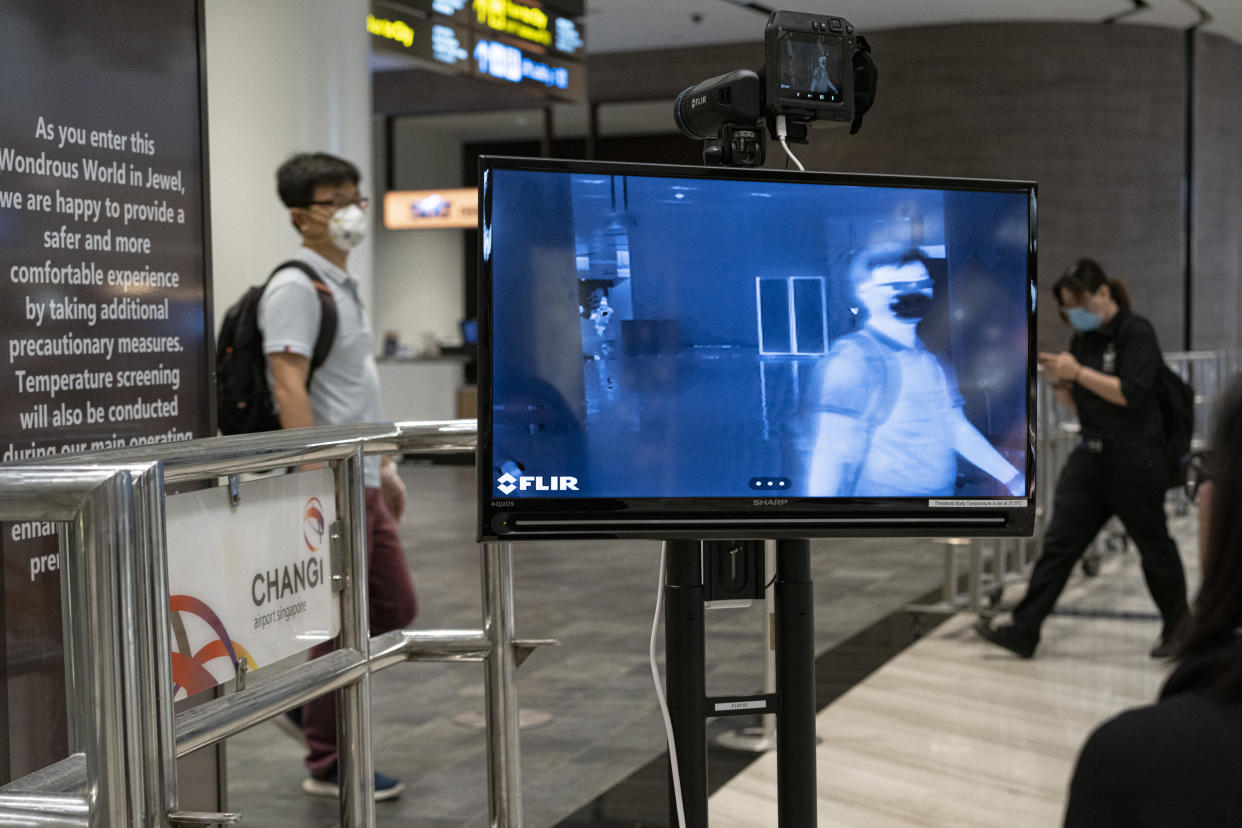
[[1000, 567], [156, 719], [92, 507], [353, 709], [60, 810], [974, 578], [500, 670], [75, 725], [950, 592], [96, 555]]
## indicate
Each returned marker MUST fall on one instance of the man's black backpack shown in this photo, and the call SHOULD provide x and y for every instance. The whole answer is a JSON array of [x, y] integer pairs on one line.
[[243, 398], [1177, 421]]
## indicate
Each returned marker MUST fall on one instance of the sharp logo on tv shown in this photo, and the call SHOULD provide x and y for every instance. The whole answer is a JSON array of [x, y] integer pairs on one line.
[[559, 483]]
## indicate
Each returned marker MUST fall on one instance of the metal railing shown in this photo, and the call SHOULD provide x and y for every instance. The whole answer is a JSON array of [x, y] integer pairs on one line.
[[1209, 373], [1057, 429], [124, 735], [94, 511]]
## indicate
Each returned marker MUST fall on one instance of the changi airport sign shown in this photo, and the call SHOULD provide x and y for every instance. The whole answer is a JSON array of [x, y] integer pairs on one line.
[[431, 209], [252, 583], [103, 288], [534, 44]]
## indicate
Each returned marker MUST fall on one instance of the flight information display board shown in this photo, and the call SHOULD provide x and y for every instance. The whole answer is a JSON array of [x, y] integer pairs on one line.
[[536, 45]]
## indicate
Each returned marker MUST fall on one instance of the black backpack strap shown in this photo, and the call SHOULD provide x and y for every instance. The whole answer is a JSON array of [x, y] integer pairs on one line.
[[327, 307], [880, 406]]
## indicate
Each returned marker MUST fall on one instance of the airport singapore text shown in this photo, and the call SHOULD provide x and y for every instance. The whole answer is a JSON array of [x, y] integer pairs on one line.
[[285, 612], [273, 585]]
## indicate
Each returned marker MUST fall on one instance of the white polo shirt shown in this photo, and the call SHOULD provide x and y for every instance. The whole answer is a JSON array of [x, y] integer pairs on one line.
[[345, 389]]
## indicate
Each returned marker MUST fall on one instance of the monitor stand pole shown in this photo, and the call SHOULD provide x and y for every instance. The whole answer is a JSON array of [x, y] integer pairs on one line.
[[794, 705], [794, 600], [685, 681]]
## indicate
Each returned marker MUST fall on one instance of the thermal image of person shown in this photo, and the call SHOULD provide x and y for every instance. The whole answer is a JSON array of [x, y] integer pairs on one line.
[[820, 81], [886, 414]]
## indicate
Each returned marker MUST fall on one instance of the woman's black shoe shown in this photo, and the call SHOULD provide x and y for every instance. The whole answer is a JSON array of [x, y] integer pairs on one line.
[[1165, 648], [1007, 636]]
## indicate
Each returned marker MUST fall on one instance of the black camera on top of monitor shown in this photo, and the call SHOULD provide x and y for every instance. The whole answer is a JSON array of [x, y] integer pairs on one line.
[[816, 68]]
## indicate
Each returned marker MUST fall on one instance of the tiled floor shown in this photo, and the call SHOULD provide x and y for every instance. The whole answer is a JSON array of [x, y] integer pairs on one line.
[[603, 724]]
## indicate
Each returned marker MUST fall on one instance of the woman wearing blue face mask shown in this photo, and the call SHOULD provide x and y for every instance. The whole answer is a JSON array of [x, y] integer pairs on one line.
[[1108, 376]]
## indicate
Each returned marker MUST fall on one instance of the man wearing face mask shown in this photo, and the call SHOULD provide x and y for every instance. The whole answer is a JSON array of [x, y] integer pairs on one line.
[[888, 419], [321, 193], [1109, 377]]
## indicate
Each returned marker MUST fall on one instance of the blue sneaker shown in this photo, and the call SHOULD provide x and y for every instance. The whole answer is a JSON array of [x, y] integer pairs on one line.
[[329, 785]]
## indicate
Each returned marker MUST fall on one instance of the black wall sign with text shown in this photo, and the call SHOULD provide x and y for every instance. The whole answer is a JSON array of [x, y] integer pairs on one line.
[[104, 312]]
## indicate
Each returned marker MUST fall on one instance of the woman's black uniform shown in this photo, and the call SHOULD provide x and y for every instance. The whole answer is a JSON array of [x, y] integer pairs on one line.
[[1117, 469]]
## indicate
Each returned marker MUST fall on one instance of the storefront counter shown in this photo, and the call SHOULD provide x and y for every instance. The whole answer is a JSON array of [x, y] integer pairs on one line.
[[423, 388]]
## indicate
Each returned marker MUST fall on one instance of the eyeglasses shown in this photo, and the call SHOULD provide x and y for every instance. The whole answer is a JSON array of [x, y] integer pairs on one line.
[[338, 204]]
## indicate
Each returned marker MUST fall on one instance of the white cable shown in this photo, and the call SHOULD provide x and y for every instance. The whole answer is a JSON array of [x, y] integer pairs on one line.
[[781, 134], [659, 688]]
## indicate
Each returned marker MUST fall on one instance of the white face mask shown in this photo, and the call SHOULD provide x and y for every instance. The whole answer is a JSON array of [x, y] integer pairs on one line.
[[348, 227]]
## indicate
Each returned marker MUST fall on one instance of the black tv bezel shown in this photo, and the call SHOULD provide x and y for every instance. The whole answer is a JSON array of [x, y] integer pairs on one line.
[[662, 518]]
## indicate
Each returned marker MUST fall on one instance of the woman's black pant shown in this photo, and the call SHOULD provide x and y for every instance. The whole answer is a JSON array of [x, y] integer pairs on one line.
[[1102, 479]]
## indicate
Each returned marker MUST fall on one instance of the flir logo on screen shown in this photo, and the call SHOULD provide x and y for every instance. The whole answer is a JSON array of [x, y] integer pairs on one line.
[[507, 483]]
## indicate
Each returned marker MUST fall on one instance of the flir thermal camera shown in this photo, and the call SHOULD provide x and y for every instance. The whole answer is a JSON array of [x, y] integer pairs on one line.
[[816, 68]]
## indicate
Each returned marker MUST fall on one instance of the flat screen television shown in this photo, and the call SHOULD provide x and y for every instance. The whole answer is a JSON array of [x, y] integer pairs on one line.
[[705, 352]]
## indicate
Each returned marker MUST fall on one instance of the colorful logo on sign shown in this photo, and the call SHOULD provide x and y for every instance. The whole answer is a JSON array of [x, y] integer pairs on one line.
[[313, 524], [189, 670], [433, 206]]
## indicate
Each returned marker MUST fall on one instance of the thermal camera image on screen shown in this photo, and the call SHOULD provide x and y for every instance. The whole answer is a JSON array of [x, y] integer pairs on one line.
[[812, 66], [687, 337]]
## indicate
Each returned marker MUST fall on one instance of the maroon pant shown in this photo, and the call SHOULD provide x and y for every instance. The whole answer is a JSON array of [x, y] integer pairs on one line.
[[391, 606]]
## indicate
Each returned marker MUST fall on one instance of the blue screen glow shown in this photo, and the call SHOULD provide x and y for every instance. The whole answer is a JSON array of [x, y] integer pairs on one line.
[[690, 337], [509, 63]]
